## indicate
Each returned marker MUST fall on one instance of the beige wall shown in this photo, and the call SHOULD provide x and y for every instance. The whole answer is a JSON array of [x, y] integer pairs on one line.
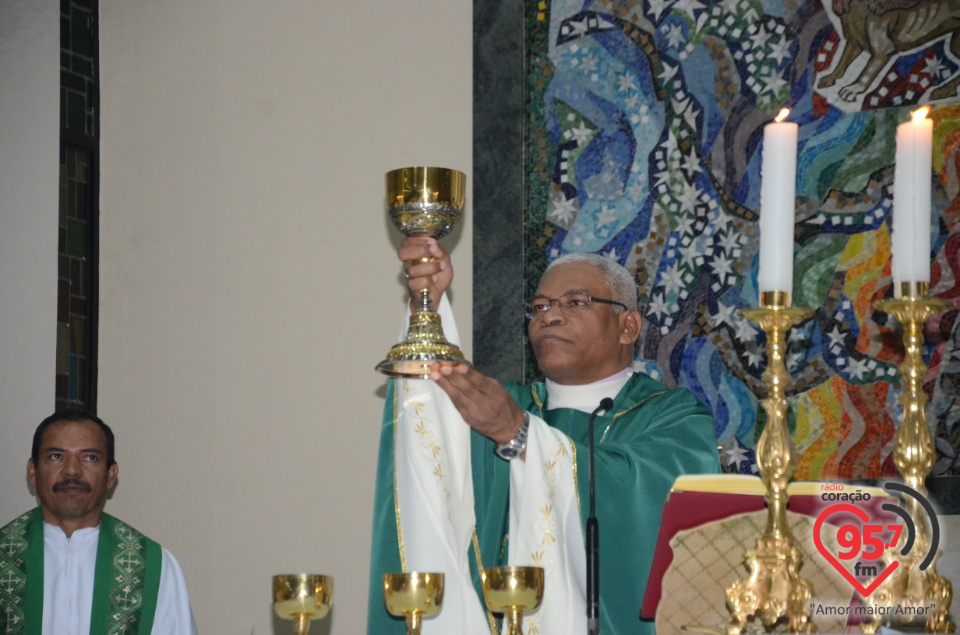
[[29, 138], [248, 280]]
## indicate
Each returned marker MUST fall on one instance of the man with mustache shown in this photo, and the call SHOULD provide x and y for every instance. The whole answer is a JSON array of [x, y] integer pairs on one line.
[[68, 568], [514, 489]]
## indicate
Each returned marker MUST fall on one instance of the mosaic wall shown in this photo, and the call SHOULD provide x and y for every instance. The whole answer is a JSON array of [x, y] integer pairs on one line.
[[643, 143]]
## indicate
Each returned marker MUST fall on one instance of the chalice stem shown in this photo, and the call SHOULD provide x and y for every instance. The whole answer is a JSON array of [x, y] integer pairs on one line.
[[424, 299], [514, 619], [301, 623], [413, 623]]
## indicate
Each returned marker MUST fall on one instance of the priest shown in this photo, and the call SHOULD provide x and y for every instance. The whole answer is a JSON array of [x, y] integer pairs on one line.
[[474, 474], [68, 568]]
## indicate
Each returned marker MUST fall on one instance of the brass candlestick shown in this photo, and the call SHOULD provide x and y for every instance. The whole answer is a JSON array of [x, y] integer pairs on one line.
[[413, 596], [423, 201], [511, 591], [774, 590], [302, 597], [914, 453]]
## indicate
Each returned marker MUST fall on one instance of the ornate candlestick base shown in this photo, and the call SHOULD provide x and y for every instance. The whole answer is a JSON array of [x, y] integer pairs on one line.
[[916, 590], [774, 591], [911, 595]]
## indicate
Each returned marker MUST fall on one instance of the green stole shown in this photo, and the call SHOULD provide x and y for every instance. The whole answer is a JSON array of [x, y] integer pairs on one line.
[[653, 436], [126, 578]]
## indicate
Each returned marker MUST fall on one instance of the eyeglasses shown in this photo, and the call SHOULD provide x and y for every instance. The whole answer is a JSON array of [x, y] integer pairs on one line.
[[570, 304]]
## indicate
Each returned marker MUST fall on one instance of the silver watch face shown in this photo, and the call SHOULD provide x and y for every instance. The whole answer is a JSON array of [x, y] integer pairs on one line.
[[508, 451], [515, 446]]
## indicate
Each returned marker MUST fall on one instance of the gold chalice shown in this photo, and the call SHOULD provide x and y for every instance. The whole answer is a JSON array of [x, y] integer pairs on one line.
[[511, 591], [413, 595], [423, 202], [302, 597]]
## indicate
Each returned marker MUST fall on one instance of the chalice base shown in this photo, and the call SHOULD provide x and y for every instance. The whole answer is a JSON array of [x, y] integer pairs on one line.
[[424, 345]]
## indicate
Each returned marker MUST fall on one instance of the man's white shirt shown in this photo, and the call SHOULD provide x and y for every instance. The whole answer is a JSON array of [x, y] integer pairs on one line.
[[68, 575]]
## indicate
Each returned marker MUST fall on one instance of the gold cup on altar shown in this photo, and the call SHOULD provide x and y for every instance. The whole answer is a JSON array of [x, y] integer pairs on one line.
[[413, 596], [423, 201], [512, 591], [302, 597]]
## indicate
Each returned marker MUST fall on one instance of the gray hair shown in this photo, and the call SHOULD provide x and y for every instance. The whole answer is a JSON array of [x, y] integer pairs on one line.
[[614, 275]]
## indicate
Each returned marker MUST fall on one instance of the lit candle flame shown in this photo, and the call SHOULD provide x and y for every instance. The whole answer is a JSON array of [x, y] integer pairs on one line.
[[920, 115], [783, 115]]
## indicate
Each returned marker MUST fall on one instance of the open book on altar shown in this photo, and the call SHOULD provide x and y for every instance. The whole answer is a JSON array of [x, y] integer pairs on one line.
[[753, 486], [701, 500]]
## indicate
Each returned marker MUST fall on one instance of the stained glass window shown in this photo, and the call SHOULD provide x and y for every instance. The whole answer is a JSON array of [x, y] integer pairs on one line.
[[78, 211]]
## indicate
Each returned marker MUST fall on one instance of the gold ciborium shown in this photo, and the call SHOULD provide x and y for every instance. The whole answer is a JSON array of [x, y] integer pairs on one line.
[[302, 597], [511, 591], [423, 201], [413, 596]]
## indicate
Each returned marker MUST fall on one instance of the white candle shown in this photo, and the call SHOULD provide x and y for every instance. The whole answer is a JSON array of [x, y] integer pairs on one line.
[[910, 248], [778, 185]]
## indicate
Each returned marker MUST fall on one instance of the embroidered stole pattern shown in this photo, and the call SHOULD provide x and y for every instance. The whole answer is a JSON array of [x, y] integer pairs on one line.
[[13, 575], [131, 571], [126, 578]]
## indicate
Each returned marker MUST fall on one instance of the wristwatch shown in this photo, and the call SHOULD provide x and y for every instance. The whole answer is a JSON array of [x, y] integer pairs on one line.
[[518, 444]]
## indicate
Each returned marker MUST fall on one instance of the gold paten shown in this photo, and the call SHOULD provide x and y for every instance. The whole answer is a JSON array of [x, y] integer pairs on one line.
[[511, 591], [423, 201], [302, 597], [413, 596], [774, 591], [914, 454]]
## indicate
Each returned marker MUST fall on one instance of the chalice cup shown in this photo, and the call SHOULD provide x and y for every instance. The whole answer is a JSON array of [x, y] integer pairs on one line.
[[302, 597], [511, 591], [413, 596], [423, 201]]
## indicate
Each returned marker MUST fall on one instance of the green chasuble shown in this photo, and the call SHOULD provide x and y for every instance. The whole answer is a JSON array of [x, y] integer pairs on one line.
[[126, 578], [651, 436]]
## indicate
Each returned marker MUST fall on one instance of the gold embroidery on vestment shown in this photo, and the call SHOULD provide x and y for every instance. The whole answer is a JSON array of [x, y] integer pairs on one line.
[[476, 552], [630, 409], [396, 497]]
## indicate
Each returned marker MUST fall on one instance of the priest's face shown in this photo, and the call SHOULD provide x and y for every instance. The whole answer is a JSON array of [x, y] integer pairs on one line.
[[587, 345], [71, 476]]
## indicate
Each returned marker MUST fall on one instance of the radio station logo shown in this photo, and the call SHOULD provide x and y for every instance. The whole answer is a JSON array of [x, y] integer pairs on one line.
[[865, 542]]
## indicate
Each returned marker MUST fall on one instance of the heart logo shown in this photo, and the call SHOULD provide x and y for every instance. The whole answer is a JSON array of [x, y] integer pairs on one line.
[[862, 515]]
